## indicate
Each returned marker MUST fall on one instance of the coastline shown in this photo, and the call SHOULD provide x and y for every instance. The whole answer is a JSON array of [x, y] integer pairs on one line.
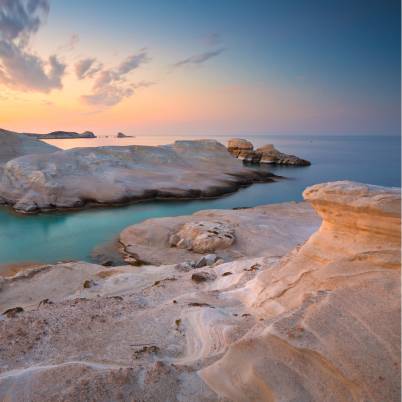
[[196, 322], [166, 196]]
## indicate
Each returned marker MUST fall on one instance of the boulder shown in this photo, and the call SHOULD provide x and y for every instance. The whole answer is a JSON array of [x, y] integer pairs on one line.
[[267, 154], [239, 144], [204, 236], [206, 260]]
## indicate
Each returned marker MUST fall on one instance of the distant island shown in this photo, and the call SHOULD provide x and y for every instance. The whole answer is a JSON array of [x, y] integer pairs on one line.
[[61, 135], [122, 135]]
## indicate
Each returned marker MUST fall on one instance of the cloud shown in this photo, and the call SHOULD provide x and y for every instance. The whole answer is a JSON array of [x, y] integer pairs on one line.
[[132, 62], [20, 68], [143, 84], [21, 18], [86, 68], [109, 95], [212, 39], [111, 86], [199, 58], [27, 72]]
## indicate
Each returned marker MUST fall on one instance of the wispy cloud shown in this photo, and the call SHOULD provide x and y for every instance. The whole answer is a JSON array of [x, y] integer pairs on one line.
[[71, 43], [109, 95], [212, 39], [87, 68], [111, 86], [20, 68], [199, 58]]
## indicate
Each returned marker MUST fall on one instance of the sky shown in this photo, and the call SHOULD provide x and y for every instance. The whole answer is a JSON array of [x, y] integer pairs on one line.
[[181, 67]]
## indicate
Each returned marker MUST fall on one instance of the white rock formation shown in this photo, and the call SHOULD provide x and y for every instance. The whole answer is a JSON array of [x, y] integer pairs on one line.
[[321, 323], [108, 175], [13, 145]]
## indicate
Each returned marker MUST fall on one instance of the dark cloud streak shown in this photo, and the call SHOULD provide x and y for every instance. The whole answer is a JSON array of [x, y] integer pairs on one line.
[[200, 58]]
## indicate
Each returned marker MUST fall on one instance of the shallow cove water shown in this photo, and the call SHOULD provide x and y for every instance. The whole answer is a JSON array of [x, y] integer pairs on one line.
[[59, 236]]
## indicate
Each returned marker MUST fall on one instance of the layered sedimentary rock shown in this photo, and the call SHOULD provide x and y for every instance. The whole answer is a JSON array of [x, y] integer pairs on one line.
[[59, 135], [13, 145], [267, 154], [330, 312], [108, 175], [321, 323]]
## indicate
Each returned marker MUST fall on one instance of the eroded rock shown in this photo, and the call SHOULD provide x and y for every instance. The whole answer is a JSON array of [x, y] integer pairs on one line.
[[109, 175], [203, 237], [267, 154]]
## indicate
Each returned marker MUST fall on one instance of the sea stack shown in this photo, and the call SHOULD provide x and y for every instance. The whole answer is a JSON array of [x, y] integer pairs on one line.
[[267, 154]]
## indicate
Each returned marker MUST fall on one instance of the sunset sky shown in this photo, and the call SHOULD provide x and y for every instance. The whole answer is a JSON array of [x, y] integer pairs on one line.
[[201, 66]]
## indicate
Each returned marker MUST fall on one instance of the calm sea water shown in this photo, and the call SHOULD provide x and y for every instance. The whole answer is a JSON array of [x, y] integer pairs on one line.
[[52, 237]]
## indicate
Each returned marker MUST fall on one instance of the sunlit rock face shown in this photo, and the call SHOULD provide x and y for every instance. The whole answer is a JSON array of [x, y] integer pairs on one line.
[[330, 311], [316, 322], [13, 145], [267, 154], [109, 175]]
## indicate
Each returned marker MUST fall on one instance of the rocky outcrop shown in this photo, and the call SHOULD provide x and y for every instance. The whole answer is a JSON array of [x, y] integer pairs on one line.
[[263, 231], [109, 175], [321, 323], [59, 135], [238, 144], [267, 154], [13, 145], [329, 313]]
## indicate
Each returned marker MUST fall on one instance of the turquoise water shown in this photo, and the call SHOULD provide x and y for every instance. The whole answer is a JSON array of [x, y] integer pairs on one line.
[[52, 237]]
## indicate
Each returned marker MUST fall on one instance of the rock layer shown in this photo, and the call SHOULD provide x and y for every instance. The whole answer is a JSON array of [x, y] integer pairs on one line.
[[267, 154], [330, 311], [108, 175]]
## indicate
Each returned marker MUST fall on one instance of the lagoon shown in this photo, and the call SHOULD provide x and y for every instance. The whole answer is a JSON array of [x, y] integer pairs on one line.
[[51, 237]]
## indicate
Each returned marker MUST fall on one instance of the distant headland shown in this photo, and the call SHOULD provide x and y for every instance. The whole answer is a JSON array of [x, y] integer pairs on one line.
[[61, 135]]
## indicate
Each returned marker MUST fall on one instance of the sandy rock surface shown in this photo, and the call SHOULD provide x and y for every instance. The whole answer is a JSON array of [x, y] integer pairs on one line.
[[109, 175], [321, 323]]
